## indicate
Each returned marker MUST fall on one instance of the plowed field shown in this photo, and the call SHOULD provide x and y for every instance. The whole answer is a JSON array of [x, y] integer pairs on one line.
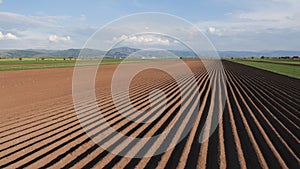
[[259, 127]]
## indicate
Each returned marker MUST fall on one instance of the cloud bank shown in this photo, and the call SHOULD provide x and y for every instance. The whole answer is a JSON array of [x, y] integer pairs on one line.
[[264, 25], [42, 32], [143, 40], [55, 38], [8, 36]]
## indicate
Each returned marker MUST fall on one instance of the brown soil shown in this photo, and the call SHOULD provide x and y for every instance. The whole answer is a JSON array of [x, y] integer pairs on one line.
[[259, 127]]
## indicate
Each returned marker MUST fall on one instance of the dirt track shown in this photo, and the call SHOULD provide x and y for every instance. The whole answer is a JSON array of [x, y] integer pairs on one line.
[[259, 128]]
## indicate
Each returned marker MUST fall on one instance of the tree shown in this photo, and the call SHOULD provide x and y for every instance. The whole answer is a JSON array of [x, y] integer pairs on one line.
[[262, 57]]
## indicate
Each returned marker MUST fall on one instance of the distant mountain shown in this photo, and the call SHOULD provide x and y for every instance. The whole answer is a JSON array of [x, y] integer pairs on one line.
[[121, 52], [32, 53], [66, 53], [126, 51], [184, 54], [234, 54], [20, 53]]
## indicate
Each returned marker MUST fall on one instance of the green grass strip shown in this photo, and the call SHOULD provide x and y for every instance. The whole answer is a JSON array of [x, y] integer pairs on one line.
[[287, 70]]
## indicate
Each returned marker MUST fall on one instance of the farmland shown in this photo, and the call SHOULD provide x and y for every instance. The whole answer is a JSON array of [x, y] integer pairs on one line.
[[259, 127], [38, 63], [46, 63], [289, 68], [273, 60]]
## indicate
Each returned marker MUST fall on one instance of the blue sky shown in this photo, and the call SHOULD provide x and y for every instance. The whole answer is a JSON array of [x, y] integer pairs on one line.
[[230, 25]]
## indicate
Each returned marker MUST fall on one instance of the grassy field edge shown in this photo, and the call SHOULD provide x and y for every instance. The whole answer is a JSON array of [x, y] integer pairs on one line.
[[287, 70]]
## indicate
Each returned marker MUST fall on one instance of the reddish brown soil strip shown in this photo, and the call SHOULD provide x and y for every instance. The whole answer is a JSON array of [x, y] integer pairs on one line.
[[267, 139], [240, 153]]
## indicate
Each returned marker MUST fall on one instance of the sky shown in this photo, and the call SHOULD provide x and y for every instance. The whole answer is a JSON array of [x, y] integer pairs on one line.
[[231, 25]]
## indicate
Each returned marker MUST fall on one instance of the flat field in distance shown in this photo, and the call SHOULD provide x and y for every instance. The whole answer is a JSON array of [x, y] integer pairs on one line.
[[287, 67], [38, 63]]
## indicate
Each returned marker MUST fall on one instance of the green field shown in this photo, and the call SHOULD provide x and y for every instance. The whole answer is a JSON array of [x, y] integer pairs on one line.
[[273, 60], [33, 63], [288, 70]]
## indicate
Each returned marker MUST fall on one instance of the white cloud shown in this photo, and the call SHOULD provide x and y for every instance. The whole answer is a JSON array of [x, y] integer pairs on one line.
[[211, 30], [55, 38], [259, 17], [215, 31], [8, 36], [49, 19], [259, 25], [1, 1], [14, 20], [34, 31], [11, 36], [143, 39]]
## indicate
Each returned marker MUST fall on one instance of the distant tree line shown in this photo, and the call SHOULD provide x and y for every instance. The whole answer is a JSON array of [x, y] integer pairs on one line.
[[42, 58], [289, 57], [280, 57]]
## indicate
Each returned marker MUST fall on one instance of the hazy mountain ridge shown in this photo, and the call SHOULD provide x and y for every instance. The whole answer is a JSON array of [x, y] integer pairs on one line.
[[126, 51], [275, 53]]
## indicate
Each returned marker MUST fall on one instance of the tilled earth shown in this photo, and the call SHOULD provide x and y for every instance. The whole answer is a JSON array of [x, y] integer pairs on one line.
[[259, 128]]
